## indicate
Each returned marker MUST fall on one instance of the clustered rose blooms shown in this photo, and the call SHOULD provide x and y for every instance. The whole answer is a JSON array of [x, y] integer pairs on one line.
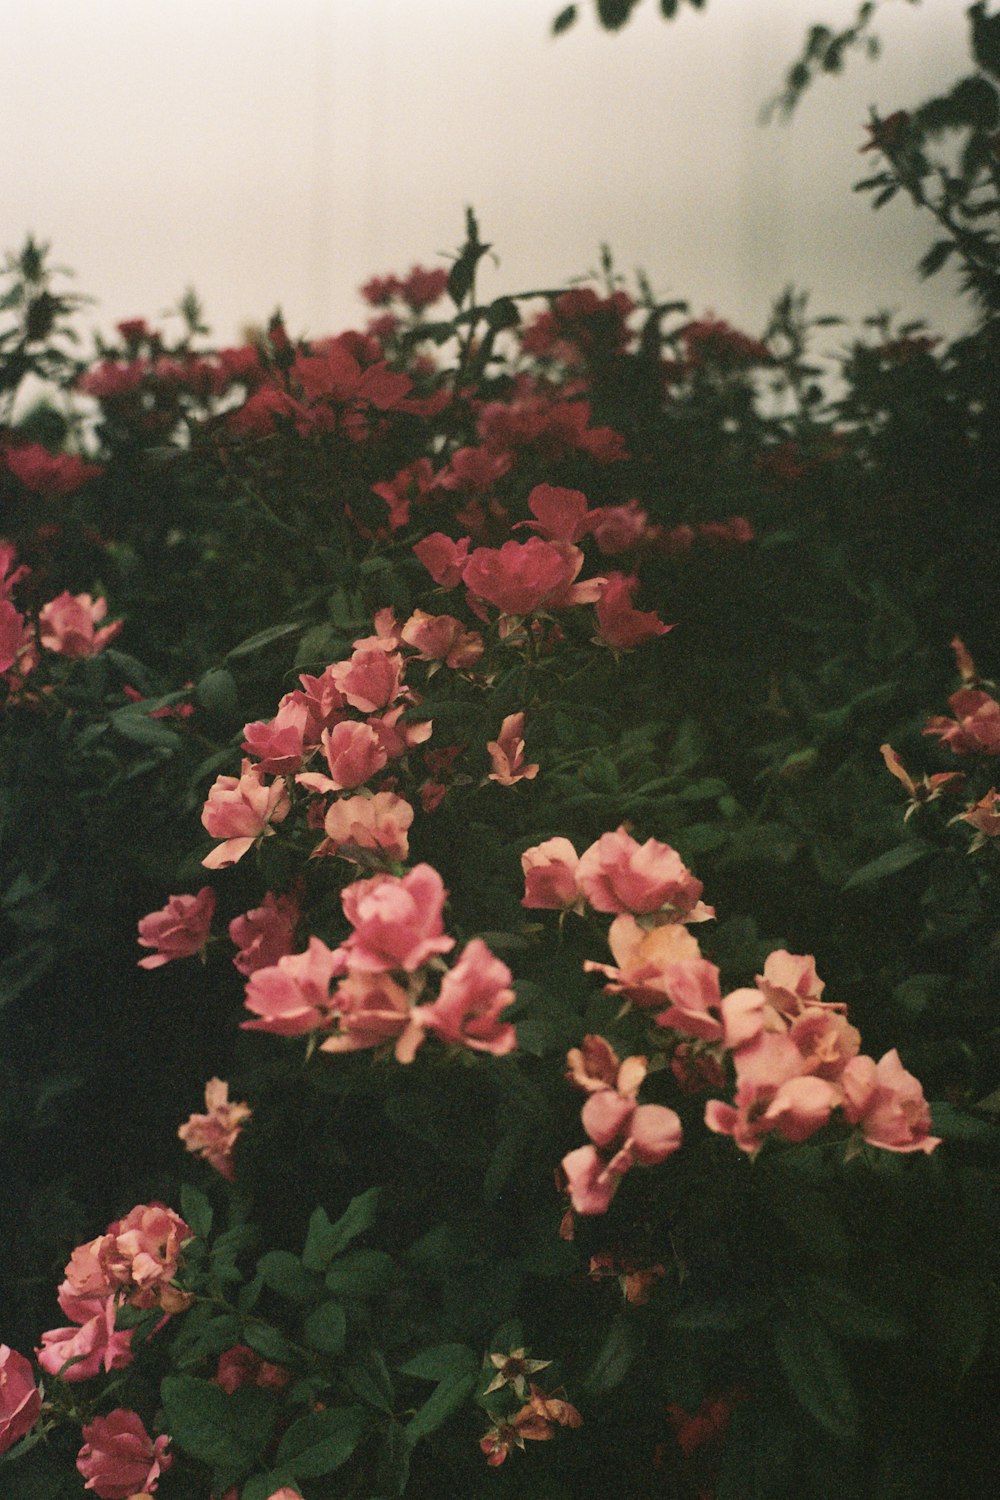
[[20, 1398], [119, 1459], [136, 1259], [615, 874]]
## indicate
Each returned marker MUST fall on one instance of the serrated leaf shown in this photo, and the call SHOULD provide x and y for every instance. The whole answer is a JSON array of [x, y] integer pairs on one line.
[[321, 1442]]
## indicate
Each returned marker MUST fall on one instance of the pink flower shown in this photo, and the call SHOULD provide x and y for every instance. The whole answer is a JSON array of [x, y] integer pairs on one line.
[[179, 930], [91, 1345], [636, 1134], [693, 988], [265, 934], [621, 626], [370, 679], [67, 625], [550, 876], [293, 996], [240, 1366], [443, 558], [790, 981], [372, 1009], [119, 1459], [561, 515], [984, 817], [473, 995], [45, 473], [10, 576], [617, 874], [644, 956], [888, 1103], [379, 823], [20, 1398], [280, 743], [214, 1134], [397, 921], [139, 1254], [619, 528], [507, 753], [975, 729], [521, 577], [15, 634], [773, 1094], [442, 638], [354, 753], [240, 811]]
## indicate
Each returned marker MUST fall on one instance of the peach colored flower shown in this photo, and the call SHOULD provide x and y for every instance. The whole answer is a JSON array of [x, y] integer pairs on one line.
[[179, 930], [370, 679], [888, 1103], [984, 816], [507, 753], [643, 956], [371, 1009], [442, 638], [240, 810], [975, 729], [68, 625], [618, 875], [280, 744], [292, 997], [138, 1255], [550, 876], [380, 823], [772, 1094], [214, 1134], [119, 1458], [522, 577]]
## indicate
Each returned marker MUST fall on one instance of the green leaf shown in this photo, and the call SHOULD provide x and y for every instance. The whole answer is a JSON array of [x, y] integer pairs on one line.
[[321, 1442], [848, 1313], [263, 1486], [131, 724], [442, 1362], [613, 1360], [393, 1463], [326, 1328], [889, 863], [446, 1398], [264, 638], [227, 1432], [216, 692], [269, 1343], [316, 1254], [815, 1371], [284, 1273], [368, 1377], [196, 1211], [360, 1273], [358, 1216]]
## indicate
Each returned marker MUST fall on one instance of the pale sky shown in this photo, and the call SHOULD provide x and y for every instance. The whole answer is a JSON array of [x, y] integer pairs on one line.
[[282, 151]]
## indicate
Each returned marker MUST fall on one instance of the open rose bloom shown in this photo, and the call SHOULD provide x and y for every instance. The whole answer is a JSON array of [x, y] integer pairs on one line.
[[20, 1398], [119, 1459]]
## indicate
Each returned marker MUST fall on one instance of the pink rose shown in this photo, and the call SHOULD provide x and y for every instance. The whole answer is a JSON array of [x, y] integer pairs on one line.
[[397, 921], [119, 1458], [214, 1134], [379, 823], [521, 577], [468, 1008], [139, 1254], [443, 558], [16, 635], [264, 934], [20, 1398], [179, 930], [92, 1345], [370, 679], [550, 876], [279, 744], [975, 729], [354, 753], [240, 811], [506, 753], [241, 1366], [617, 874], [372, 1009], [442, 638], [561, 515], [293, 996], [67, 624], [620, 625], [888, 1103], [772, 1094], [644, 956]]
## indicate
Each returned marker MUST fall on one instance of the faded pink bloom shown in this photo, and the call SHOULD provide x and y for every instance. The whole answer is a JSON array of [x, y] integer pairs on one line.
[[139, 1254], [10, 575], [179, 930], [20, 1398], [772, 1094], [644, 955], [370, 679], [592, 1181], [443, 558], [68, 625], [45, 473], [888, 1103], [975, 729], [240, 811], [826, 1040], [550, 876], [637, 1134], [379, 823], [596, 1066], [618, 528], [693, 987], [468, 1009], [15, 634], [119, 1459], [790, 982], [617, 874], [442, 638], [620, 624], [265, 934], [371, 1009], [506, 753], [354, 753], [521, 577], [561, 515], [91, 1345], [214, 1134], [240, 1366], [397, 735], [280, 744], [293, 996], [397, 921]]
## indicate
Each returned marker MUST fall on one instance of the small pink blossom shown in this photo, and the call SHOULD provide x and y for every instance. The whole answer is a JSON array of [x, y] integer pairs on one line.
[[240, 810], [264, 934], [620, 624], [473, 995], [772, 1094], [91, 1345], [380, 823], [119, 1459], [619, 528], [15, 635], [975, 729], [241, 1366], [617, 874], [550, 876], [293, 996], [506, 753], [179, 930], [214, 1134], [888, 1103], [397, 921], [442, 638], [370, 679], [354, 753], [68, 625], [20, 1398], [371, 1009]]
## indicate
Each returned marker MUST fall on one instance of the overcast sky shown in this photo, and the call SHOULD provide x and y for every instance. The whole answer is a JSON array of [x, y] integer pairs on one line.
[[282, 151]]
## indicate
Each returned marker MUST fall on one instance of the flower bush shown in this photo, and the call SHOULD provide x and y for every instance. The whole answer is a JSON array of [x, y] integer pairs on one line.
[[442, 760]]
